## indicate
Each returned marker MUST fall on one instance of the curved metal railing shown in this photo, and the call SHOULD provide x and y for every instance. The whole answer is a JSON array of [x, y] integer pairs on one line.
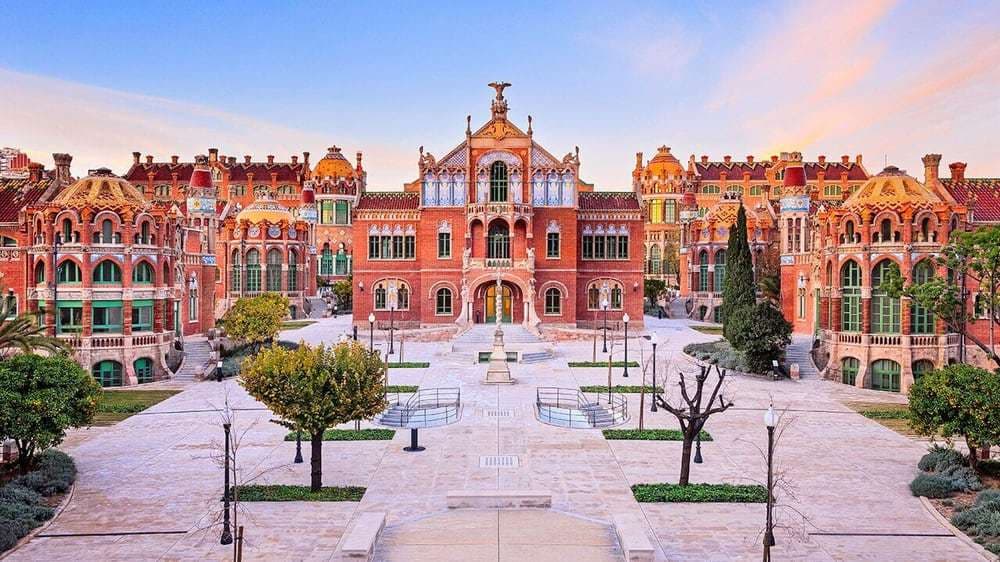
[[569, 407], [428, 407]]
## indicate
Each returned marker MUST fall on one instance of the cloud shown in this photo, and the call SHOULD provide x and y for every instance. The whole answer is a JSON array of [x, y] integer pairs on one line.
[[102, 127]]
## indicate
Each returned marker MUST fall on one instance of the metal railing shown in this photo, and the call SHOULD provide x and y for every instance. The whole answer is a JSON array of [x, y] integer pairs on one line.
[[430, 407], [567, 407]]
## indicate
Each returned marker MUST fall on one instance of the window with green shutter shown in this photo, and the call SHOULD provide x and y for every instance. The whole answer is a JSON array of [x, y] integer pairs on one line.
[[849, 370], [70, 317], [107, 271], [850, 310], [885, 375], [142, 316], [885, 309], [343, 212], [108, 373], [921, 318], [143, 370], [107, 317], [69, 272]]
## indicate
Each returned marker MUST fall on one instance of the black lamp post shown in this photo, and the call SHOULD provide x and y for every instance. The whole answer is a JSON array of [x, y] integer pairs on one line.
[[604, 305], [371, 331], [771, 421], [227, 533], [625, 320], [654, 340], [218, 369], [298, 447], [392, 350], [697, 447]]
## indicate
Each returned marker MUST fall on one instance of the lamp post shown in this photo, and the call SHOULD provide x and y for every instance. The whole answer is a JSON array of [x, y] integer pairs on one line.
[[604, 305], [771, 421], [227, 534], [654, 339], [56, 239], [218, 370], [298, 447], [625, 320], [393, 293], [697, 448], [371, 331]]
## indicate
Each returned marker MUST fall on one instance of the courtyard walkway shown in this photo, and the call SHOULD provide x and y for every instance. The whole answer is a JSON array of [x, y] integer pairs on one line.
[[149, 486]]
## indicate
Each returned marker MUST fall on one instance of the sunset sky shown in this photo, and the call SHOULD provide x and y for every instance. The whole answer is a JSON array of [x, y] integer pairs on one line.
[[890, 80]]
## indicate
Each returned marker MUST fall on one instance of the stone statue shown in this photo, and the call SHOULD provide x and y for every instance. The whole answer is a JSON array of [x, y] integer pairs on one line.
[[466, 258], [499, 87], [531, 258]]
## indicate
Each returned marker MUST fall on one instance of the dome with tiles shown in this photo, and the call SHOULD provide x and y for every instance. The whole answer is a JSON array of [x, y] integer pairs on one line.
[[893, 189], [665, 164], [265, 209], [333, 165], [102, 190]]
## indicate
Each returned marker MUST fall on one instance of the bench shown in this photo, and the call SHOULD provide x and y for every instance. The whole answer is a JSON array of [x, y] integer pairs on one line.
[[632, 537], [497, 499], [358, 542]]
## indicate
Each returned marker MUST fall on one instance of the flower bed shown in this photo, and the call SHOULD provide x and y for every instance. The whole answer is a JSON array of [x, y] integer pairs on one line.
[[718, 353], [620, 389], [650, 434], [700, 493], [350, 435], [602, 364], [286, 493], [27, 501]]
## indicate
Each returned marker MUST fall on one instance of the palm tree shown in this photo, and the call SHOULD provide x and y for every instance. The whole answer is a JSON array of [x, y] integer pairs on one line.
[[21, 334]]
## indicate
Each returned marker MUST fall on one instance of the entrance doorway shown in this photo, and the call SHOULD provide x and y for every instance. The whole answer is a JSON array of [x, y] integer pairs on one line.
[[506, 304]]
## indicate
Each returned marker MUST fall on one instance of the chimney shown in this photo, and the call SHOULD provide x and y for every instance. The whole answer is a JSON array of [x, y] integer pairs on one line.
[[845, 159], [749, 158], [957, 171], [704, 159], [270, 159], [232, 161], [727, 159], [821, 158], [858, 159], [774, 158], [213, 155], [174, 159], [62, 161], [931, 164], [149, 159], [305, 159], [35, 172], [246, 159], [295, 159], [358, 158], [135, 158], [638, 160]]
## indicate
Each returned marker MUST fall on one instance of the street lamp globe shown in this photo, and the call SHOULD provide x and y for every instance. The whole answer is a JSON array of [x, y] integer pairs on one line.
[[371, 317], [604, 303], [653, 338], [625, 318], [771, 417]]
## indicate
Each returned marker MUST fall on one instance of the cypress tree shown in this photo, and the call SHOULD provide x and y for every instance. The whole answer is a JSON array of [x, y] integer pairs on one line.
[[738, 288]]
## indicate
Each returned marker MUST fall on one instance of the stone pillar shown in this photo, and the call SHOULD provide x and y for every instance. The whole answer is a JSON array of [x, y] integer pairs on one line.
[[127, 317], [88, 319], [824, 313], [905, 315], [866, 310], [835, 313]]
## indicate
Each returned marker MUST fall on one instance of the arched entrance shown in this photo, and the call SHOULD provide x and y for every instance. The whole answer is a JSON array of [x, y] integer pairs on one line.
[[511, 303], [506, 304]]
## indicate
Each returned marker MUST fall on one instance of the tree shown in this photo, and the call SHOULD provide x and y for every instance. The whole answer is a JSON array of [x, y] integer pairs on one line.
[[256, 320], [343, 290], [22, 333], [738, 288], [692, 411], [653, 288], [768, 334], [317, 387], [960, 400], [968, 255], [40, 398]]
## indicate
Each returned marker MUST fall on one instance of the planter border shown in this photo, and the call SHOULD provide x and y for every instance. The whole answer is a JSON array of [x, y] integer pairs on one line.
[[987, 555]]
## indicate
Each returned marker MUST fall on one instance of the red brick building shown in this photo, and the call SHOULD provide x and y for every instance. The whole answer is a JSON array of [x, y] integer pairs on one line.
[[498, 204]]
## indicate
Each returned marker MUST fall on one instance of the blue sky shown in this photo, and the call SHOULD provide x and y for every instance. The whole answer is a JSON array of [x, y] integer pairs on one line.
[[883, 78]]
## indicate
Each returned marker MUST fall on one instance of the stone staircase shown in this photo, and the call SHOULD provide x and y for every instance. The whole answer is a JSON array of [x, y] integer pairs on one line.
[[479, 339], [197, 360], [317, 307], [798, 352]]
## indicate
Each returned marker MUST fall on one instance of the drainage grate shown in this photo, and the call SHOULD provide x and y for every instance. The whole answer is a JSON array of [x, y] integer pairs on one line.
[[501, 413], [499, 461]]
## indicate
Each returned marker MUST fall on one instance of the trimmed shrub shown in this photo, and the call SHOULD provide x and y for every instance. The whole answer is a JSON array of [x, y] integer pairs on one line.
[[31, 514], [963, 478], [698, 493], [988, 496], [980, 519], [939, 459], [990, 467], [54, 474], [11, 532], [931, 486], [13, 493]]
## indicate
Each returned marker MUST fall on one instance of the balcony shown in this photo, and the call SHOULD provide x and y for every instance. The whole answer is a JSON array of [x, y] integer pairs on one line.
[[513, 211], [525, 264], [116, 341]]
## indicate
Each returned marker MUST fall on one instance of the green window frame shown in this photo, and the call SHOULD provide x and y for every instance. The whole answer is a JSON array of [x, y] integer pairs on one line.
[[710, 188], [326, 262], [499, 242], [850, 286], [69, 272], [849, 367], [553, 301], [106, 317], [443, 302], [70, 317], [885, 309], [342, 212], [143, 367], [670, 211], [293, 271], [326, 211], [498, 182], [703, 271], [444, 245], [832, 190], [341, 263], [616, 298], [253, 272], [274, 260], [108, 373], [39, 273], [755, 190], [373, 248], [107, 272], [921, 367], [143, 273], [380, 298], [552, 248], [885, 375], [142, 316], [720, 270], [656, 211], [588, 247], [921, 318]]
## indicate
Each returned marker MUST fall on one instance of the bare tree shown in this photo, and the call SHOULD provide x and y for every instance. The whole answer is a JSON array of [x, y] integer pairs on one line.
[[692, 410]]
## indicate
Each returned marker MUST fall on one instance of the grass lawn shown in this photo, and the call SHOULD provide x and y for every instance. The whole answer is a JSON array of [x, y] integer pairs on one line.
[[296, 324], [116, 405], [710, 330], [409, 365], [894, 416], [284, 493], [700, 493], [620, 389], [650, 435], [401, 388], [602, 364], [350, 435]]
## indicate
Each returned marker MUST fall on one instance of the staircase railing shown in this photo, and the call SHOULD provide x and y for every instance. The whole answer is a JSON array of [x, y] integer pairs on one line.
[[567, 407], [427, 407]]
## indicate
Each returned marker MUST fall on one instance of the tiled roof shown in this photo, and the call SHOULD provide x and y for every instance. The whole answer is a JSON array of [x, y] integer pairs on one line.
[[605, 201], [984, 191], [163, 171], [388, 202], [712, 171], [833, 170], [18, 193]]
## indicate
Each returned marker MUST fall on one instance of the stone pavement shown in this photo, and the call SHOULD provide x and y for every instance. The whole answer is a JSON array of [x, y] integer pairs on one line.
[[847, 496]]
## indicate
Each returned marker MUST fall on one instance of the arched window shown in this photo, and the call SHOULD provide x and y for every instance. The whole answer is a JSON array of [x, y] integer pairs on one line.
[[593, 298], [443, 302], [615, 302], [274, 270], [143, 367], [69, 272], [380, 297], [654, 259], [498, 181], [326, 261], [193, 304], [143, 273], [921, 318], [237, 274], [849, 370], [720, 270], [40, 273], [885, 231], [553, 301], [499, 240], [921, 367], [253, 270], [144, 236], [67, 231], [403, 298], [107, 231], [885, 375], [850, 284], [385, 291], [885, 309], [703, 271], [293, 270], [108, 373], [340, 263], [107, 272], [849, 231], [166, 274], [925, 230]]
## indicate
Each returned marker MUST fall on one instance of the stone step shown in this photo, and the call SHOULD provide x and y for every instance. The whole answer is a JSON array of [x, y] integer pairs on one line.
[[498, 499]]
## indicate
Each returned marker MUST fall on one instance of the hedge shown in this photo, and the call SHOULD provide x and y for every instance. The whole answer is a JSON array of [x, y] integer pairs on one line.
[[409, 365], [602, 364], [285, 493], [700, 493], [621, 389], [650, 434], [350, 435], [22, 506], [401, 388]]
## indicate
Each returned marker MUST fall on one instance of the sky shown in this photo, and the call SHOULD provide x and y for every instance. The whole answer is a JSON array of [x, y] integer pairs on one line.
[[891, 80]]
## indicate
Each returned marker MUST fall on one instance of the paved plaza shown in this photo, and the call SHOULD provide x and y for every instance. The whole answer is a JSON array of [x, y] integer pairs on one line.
[[149, 486]]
